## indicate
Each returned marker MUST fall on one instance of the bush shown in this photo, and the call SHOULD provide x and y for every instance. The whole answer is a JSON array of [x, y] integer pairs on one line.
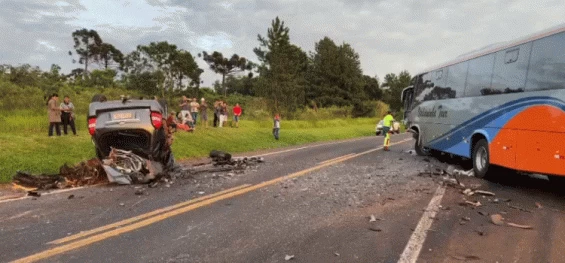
[[364, 109], [333, 112]]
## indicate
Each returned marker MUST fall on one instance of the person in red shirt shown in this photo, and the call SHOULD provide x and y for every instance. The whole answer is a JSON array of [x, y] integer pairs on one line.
[[172, 122], [236, 114]]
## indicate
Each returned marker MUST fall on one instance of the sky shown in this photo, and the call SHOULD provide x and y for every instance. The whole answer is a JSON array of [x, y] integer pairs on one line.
[[389, 35]]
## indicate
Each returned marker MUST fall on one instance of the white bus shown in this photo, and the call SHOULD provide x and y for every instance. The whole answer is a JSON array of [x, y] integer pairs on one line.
[[502, 106]]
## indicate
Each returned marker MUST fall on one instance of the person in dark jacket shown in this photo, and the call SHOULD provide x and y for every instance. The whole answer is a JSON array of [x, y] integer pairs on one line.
[[276, 126]]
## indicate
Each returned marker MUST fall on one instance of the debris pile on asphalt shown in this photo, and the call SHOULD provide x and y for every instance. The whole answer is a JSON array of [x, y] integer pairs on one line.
[[85, 173], [125, 167], [219, 162], [220, 158], [122, 167]]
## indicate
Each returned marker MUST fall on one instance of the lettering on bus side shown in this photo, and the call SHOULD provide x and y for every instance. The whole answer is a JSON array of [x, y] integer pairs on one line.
[[443, 114], [423, 112], [431, 113]]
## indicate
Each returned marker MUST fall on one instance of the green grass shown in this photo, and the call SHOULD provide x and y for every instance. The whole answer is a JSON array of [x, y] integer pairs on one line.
[[26, 147]]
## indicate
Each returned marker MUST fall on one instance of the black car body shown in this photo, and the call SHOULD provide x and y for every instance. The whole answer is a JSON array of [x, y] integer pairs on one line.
[[133, 125]]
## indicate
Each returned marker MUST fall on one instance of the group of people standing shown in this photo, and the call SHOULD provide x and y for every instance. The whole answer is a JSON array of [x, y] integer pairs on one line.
[[60, 113], [221, 113], [191, 109]]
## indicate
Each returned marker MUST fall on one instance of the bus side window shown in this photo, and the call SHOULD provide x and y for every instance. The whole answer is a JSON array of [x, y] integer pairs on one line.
[[510, 67], [418, 88], [457, 75], [425, 86], [547, 64], [479, 75]]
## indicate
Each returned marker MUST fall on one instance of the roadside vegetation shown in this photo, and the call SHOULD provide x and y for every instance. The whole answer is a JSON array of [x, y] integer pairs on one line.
[[320, 95]]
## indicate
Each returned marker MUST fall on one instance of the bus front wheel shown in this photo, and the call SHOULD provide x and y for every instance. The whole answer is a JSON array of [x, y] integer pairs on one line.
[[420, 149], [481, 159]]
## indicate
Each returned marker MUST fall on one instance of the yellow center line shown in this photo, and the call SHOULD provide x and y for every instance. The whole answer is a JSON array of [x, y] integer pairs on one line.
[[335, 159], [115, 232], [143, 216]]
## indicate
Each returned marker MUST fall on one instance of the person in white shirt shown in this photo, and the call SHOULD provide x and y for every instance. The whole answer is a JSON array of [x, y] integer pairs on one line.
[[68, 115]]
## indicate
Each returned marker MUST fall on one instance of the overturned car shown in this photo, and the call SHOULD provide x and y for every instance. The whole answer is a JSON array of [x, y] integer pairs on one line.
[[138, 126]]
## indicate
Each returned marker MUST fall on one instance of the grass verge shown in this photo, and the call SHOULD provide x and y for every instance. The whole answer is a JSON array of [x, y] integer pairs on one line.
[[37, 153]]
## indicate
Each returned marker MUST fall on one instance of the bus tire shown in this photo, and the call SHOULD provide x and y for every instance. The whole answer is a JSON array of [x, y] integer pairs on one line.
[[481, 159], [419, 148]]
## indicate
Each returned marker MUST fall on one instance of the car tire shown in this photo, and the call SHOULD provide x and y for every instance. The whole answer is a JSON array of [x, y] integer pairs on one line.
[[420, 149], [99, 98], [481, 159]]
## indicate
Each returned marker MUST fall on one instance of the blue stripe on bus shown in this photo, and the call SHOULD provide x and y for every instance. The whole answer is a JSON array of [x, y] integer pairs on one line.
[[490, 122]]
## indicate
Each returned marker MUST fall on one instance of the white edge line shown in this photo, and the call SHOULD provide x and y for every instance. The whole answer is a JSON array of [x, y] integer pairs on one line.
[[412, 250]]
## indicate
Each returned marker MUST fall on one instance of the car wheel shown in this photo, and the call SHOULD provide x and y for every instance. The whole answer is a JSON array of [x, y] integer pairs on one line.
[[481, 159], [420, 149], [99, 98]]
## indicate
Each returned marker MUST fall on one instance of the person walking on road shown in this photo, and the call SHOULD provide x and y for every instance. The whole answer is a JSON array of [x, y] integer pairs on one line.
[[68, 115], [54, 112], [277, 126], [387, 124], [236, 114]]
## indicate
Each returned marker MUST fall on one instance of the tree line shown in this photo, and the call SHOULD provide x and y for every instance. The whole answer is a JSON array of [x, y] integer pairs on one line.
[[284, 74]]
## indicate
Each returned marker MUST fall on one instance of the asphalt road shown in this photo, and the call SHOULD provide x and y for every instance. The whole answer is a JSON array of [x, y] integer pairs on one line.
[[312, 203]]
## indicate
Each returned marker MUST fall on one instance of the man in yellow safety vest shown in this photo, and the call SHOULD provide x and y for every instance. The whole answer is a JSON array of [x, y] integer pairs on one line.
[[388, 121]]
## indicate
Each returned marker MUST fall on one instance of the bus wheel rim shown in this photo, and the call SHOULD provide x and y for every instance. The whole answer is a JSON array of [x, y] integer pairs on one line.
[[481, 159]]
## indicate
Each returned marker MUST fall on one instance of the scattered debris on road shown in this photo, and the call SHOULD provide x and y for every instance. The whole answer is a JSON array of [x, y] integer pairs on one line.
[[497, 219], [71, 197], [34, 193], [538, 205], [336, 254], [519, 226], [487, 193], [475, 204], [374, 228], [373, 218], [288, 257]]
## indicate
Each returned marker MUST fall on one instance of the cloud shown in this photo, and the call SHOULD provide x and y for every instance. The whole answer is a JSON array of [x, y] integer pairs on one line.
[[389, 35]]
